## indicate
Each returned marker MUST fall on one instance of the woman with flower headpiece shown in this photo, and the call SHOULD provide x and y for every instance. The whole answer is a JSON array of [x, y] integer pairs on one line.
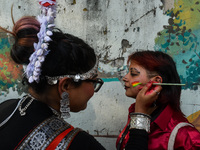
[[61, 73]]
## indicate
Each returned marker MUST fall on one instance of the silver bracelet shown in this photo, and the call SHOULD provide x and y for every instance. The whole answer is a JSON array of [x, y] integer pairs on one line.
[[140, 121]]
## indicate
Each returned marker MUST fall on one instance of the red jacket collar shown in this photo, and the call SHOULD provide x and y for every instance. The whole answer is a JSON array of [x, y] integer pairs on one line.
[[167, 114]]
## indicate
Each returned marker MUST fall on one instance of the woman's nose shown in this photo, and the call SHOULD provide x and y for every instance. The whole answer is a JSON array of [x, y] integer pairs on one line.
[[125, 78]]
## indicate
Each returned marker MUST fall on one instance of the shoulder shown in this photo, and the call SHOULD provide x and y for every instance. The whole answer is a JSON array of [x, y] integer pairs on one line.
[[186, 132], [7, 107], [8, 102], [189, 132], [188, 136], [85, 141]]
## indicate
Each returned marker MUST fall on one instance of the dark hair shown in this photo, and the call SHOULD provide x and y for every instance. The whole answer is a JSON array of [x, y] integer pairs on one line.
[[25, 32], [163, 65], [68, 54]]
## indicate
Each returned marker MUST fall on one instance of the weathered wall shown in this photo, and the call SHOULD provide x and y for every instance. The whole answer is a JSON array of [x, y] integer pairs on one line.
[[116, 28]]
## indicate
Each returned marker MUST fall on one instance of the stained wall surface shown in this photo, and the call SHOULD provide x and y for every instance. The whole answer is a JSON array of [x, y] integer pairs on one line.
[[115, 29]]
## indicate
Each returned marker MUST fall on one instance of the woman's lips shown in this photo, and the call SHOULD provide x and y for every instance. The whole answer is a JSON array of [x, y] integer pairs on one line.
[[126, 87]]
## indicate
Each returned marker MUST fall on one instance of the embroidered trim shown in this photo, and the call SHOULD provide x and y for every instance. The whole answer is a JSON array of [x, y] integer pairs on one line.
[[44, 134], [68, 139], [59, 138]]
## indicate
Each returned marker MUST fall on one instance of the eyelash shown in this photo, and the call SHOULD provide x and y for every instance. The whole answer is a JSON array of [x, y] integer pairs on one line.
[[133, 74]]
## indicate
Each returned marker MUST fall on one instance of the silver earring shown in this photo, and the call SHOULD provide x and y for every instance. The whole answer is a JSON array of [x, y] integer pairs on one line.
[[64, 105]]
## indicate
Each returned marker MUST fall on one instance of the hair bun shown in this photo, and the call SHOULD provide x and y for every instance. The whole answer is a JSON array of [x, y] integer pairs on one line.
[[25, 31]]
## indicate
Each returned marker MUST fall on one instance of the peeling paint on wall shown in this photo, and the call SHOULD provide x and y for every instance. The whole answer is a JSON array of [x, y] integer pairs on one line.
[[119, 28]]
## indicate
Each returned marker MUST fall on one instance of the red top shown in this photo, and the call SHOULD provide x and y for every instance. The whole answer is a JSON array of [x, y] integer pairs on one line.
[[187, 137]]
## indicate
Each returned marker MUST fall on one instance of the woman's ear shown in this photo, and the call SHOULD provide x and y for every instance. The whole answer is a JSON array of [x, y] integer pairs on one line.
[[157, 79], [63, 85]]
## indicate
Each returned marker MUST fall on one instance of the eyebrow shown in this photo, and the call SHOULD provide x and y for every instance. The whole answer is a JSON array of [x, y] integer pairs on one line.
[[134, 69]]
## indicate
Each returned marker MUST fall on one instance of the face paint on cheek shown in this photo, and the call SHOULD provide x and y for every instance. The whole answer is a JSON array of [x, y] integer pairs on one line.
[[136, 83]]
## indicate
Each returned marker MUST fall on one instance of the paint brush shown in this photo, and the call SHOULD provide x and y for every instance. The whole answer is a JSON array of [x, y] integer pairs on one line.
[[136, 83], [177, 84]]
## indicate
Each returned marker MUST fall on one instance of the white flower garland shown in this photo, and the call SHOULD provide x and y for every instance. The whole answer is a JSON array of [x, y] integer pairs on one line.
[[46, 20]]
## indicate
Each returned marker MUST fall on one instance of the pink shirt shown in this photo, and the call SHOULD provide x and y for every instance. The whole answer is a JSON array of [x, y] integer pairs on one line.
[[187, 138]]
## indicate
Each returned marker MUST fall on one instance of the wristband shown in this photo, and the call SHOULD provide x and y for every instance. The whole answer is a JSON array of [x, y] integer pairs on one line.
[[140, 121]]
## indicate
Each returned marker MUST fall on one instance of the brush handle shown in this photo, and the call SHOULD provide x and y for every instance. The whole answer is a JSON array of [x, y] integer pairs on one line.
[[177, 84]]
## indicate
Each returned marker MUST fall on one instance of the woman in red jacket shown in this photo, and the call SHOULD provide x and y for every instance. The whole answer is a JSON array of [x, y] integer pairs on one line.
[[165, 112]]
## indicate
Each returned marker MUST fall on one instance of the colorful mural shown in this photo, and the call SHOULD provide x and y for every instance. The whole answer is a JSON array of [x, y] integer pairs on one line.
[[9, 72], [180, 39]]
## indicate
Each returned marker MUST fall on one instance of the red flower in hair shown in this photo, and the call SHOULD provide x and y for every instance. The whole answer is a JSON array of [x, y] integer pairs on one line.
[[46, 4]]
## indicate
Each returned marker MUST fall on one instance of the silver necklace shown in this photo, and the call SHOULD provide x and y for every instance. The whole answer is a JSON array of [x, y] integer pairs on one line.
[[55, 112], [22, 111], [8, 118]]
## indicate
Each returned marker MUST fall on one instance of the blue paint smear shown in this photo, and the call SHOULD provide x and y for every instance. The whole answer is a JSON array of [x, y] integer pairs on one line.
[[4, 42], [110, 79]]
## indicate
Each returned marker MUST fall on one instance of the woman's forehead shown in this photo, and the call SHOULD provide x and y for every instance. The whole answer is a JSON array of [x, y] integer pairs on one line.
[[134, 65]]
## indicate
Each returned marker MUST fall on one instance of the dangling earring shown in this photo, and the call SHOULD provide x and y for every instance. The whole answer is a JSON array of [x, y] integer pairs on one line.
[[64, 105]]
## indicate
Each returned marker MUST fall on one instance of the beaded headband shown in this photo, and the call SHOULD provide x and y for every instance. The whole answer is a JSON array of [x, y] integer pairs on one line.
[[76, 78], [46, 20]]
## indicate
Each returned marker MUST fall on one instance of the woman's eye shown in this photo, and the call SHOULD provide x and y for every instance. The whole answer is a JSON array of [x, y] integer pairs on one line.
[[134, 74]]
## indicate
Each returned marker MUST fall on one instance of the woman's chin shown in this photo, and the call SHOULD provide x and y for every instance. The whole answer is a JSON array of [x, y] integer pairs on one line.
[[130, 95], [83, 108], [75, 110]]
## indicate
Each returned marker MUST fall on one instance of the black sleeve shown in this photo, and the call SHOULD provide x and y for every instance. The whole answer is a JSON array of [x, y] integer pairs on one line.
[[85, 141], [138, 140]]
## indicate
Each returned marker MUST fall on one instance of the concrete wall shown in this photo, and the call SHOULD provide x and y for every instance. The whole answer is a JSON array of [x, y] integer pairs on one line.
[[116, 28]]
